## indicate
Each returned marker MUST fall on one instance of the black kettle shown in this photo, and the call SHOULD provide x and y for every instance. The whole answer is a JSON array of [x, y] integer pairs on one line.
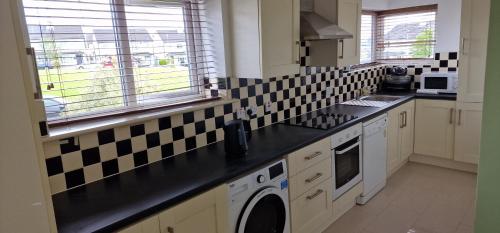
[[235, 137]]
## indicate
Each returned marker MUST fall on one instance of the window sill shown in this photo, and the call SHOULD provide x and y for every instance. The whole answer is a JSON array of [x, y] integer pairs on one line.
[[78, 128]]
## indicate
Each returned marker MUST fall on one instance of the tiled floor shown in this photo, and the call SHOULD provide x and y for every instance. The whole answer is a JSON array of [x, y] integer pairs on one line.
[[417, 199]]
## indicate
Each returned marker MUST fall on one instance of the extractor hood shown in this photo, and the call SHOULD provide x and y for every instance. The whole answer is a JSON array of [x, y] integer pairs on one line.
[[315, 27]]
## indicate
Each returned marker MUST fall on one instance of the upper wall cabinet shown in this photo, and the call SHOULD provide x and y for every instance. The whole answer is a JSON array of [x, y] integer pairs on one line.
[[265, 38], [473, 50], [346, 14]]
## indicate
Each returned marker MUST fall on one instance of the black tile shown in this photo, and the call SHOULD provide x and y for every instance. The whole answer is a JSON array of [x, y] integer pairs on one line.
[[434, 69], [235, 93], [69, 146], [140, 158], [164, 123], [274, 117], [124, 147], [251, 91], [54, 166], [200, 127], [260, 122], [137, 130], [443, 63], [281, 106], [291, 83], [286, 94], [453, 56], [228, 108], [188, 117], [44, 130], [274, 97], [190, 143], [178, 133], [110, 167], [260, 100], [266, 88], [209, 113], [279, 85], [219, 122], [106, 136], [243, 82], [91, 156], [211, 137], [419, 71], [244, 102], [153, 140], [437, 56], [167, 150], [287, 114], [74, 178]]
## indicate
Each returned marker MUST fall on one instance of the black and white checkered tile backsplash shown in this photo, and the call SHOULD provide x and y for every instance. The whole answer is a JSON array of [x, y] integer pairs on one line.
[[90, 157]]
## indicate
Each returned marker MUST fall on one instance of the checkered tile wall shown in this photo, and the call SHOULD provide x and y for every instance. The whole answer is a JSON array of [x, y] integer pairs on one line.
[[90, 157]]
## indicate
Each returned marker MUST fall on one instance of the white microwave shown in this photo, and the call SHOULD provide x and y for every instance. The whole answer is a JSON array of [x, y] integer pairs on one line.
[[439, 82]]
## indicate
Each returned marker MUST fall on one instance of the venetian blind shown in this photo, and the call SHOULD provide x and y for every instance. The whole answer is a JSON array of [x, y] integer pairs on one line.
[[100, 57], [367, 37], [406, 33]]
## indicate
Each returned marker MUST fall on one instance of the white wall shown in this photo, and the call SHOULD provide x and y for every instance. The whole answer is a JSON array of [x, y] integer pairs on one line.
[[22, 201], [448, 18]]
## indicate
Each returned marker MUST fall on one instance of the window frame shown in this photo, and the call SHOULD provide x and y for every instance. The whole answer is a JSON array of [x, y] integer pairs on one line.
[[373, 14], [197, 92], [376, 28]]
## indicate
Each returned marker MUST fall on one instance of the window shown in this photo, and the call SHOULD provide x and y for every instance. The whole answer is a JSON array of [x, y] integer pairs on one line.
[[406, 33], [99, 57], [367, 37]]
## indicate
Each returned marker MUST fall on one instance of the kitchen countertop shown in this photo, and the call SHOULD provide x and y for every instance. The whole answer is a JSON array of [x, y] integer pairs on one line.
[[117, 201]]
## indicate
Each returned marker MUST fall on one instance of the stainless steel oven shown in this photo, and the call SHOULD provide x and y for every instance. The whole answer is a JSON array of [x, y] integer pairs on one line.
[[346, 160]]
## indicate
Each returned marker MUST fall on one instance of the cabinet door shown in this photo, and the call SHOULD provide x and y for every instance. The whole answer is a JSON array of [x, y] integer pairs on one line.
[[473, 50], [349, 18], [406, 133], [204, 213], [434, 128], [280, 37], [150, 225], [468, 132], [394, 124], [313, 209]]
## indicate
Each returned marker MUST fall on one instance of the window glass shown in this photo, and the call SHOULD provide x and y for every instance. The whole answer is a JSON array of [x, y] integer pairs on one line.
[[367, 37]]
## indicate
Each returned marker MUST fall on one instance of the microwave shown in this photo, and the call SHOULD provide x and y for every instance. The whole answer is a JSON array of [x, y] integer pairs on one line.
[[439, 82]]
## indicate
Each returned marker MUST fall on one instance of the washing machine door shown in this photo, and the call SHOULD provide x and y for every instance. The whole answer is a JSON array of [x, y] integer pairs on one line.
[[265, 212]]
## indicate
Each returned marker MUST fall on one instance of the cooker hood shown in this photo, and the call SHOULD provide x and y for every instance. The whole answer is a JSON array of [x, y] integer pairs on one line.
[[315, 27]]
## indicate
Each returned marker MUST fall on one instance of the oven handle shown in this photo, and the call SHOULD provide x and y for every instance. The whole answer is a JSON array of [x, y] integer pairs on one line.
[[347, 149]]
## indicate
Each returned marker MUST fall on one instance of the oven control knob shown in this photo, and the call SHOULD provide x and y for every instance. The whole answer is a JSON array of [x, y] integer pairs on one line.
[[261, 179]]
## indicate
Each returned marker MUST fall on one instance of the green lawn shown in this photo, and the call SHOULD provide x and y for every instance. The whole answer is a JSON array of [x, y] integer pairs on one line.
[[95, 88]]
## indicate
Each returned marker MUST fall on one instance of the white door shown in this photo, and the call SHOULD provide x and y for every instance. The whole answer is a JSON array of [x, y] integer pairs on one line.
[[473, 50], [468, 132]]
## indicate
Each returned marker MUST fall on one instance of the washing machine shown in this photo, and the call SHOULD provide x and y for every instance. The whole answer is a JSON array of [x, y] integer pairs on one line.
[[259, 201]]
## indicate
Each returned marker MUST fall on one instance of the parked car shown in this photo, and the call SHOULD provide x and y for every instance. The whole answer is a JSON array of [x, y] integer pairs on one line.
[[54, 106]]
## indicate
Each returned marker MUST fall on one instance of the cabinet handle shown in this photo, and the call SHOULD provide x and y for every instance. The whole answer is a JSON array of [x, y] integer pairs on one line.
[[462, 45], [451, 115], [405, 118], [315, 177], [460, 117], [341, 49], [297, 56], [170, 229], [401, 123], [317, 193], [38, 88], [313, 156]]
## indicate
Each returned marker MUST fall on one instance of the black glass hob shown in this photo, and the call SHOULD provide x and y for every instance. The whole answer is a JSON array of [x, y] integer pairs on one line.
[[320, 120]]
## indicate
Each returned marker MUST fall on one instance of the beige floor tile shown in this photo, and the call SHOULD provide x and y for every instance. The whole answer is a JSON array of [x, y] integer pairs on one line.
[[417, 199]]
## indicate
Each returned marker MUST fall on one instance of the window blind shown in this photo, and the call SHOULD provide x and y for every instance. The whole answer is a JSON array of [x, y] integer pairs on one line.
[[367, 37], [406, 33], [100, 57]]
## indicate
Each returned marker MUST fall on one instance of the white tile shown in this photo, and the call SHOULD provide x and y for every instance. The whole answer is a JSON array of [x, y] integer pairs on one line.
[[57, 183], [122, 133], [151, 126], [72, 161], [108, 151], [166, 136], [139, 143], [89, 140], [93, 173], [51, 149]]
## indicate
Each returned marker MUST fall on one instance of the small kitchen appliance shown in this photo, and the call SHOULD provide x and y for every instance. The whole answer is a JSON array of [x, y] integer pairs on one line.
[[439, 83], [235, 138], [397, 79]]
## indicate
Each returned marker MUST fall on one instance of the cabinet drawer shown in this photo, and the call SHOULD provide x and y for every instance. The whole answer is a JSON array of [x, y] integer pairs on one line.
[[308, 156], [310, 177], [313, 209]]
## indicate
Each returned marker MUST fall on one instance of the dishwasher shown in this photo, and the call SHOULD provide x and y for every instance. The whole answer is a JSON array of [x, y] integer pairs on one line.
[[374, 157]]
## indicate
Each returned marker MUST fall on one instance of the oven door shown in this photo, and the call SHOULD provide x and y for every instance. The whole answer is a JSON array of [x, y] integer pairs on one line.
[[346, 166]]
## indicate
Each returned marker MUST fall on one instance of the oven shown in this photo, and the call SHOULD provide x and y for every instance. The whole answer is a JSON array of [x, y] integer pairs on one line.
[[347, 160]]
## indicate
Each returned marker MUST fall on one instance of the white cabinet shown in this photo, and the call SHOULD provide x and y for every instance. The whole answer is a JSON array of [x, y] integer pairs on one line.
[[265, 37], [349, 18], [468, 132], [473, 50], [150, 225], [400, 136], [434, 128], [342, 52]]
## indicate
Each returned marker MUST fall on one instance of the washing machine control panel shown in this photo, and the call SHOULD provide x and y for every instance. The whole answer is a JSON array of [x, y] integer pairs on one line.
[[261, 179]]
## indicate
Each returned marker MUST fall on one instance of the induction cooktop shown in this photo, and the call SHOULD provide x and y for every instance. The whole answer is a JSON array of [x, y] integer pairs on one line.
[[320, 120]]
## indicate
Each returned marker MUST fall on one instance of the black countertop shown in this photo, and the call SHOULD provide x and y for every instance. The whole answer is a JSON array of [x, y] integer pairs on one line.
[[117, 201]]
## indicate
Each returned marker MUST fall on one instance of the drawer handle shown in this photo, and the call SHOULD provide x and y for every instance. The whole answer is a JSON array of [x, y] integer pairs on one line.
[[317, 193], [313, 155], [315, 177], [170, 229]]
